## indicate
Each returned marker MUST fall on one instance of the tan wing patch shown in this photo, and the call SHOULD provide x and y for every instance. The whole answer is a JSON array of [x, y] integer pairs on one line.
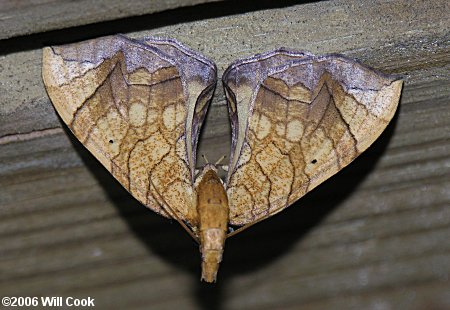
[[306, 121], [129, 105]]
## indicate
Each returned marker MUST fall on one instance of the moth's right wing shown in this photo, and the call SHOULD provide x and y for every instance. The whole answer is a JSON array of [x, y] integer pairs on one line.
[[138, 107], [297, 119]]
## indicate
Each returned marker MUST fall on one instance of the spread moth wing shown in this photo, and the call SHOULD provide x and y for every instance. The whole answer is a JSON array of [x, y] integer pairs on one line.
[[137, 106], [298, 119]]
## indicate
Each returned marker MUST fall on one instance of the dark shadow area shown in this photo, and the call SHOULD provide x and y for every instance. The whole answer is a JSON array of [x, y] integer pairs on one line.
[[162, 236], [140, 23]]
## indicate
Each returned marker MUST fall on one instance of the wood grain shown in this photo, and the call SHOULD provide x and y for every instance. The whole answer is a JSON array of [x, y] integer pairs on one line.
[[46, 15], [374, 237]]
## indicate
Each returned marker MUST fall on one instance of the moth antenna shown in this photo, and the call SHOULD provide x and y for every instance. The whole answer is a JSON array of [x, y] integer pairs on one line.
[[219, 160], [205, 159], [169, 210], [242, 228]]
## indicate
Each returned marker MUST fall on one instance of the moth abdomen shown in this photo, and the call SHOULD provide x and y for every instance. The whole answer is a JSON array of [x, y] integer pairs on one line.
[[213, 214]]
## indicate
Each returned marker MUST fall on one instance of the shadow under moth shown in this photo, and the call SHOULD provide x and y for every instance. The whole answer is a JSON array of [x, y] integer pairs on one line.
[[138, 105]]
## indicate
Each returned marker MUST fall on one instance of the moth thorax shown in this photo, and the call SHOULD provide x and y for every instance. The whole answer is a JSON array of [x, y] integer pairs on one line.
[[213, 213]]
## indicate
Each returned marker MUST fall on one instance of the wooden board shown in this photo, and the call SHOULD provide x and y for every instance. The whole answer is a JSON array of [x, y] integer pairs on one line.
[[373, 237], [18, 18]]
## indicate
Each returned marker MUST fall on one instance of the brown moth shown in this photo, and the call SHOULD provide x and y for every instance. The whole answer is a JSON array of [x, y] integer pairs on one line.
[[138, 106]]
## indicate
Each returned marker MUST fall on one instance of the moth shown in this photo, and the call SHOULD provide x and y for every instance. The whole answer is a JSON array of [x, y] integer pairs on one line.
[[138, 105]]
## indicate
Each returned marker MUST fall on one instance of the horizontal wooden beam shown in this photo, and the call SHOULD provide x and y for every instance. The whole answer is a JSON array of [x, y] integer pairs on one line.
[[19, 18]]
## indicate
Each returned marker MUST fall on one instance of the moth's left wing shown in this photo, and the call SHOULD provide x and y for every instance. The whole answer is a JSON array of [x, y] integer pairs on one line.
[[298, 119], [137, 106]]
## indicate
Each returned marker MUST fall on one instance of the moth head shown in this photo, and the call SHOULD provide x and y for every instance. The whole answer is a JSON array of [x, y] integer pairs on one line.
[[207, 171]]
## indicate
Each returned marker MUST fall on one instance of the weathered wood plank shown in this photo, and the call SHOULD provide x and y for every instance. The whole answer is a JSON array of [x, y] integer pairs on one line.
[[373, 237], [18, 18]]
